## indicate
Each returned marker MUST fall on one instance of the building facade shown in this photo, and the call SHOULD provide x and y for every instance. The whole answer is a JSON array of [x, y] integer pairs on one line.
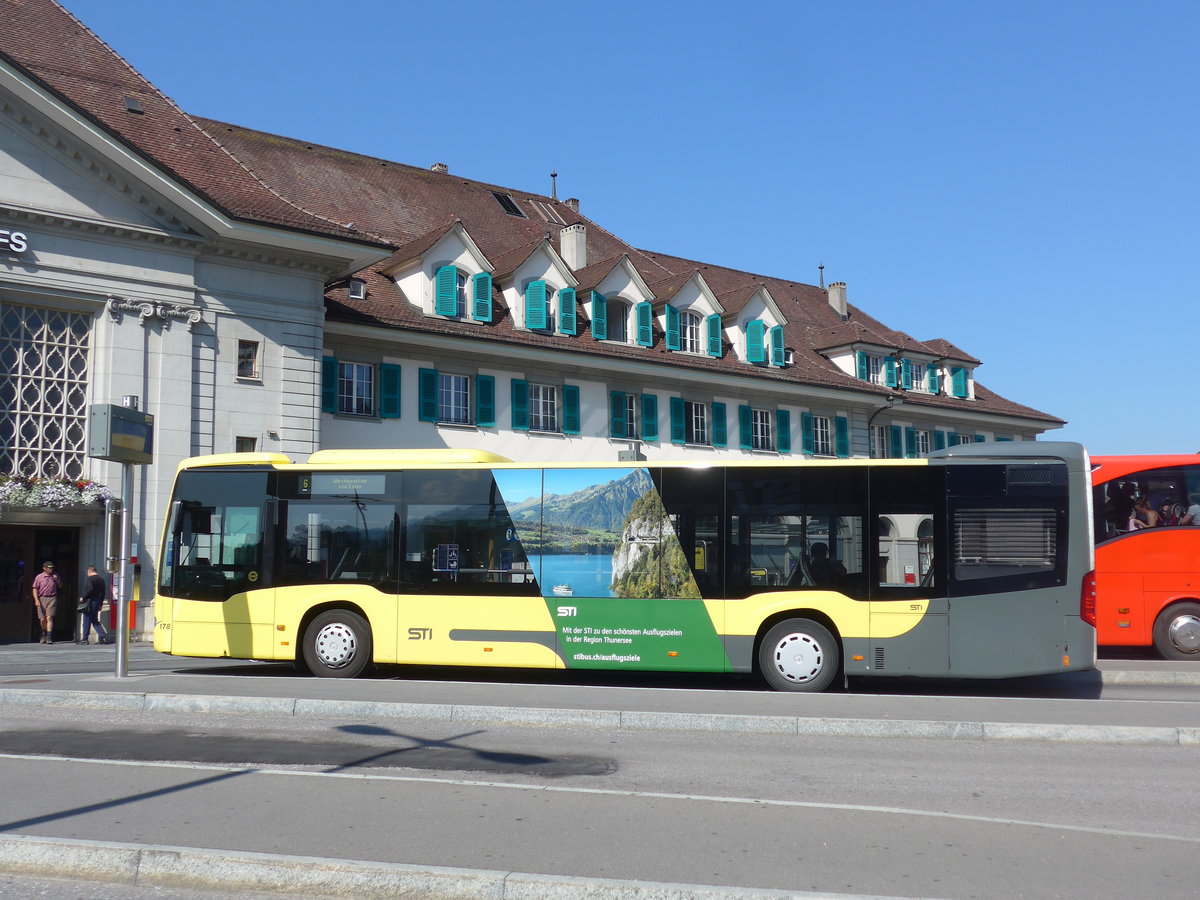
[[223, 277]]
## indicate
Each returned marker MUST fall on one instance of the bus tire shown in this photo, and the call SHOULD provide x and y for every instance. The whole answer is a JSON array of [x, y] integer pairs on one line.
[[337, 644], [1177, 631], [799, 655]]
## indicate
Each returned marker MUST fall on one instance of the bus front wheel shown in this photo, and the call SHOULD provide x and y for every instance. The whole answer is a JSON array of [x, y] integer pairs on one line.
[[798, 655], [1177, 632], [337, 644]]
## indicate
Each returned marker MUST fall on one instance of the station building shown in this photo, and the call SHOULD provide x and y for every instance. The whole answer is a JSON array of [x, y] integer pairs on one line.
[[258, 292]]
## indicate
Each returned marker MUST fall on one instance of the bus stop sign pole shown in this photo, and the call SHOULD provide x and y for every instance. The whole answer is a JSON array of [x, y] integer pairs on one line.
[[122, 434]]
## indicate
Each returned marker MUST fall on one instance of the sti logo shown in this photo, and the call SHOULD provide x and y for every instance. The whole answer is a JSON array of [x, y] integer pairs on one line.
[[567, 611]]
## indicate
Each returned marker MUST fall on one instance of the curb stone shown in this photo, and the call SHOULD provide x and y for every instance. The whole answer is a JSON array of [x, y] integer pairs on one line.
[[151, 864], [610, 720]]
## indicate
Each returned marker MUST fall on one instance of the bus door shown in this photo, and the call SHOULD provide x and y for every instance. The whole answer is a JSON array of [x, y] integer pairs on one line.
[[468, 592], [909, 612]]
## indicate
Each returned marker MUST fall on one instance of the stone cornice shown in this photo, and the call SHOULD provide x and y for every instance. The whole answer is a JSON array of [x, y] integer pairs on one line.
[[121, 230]]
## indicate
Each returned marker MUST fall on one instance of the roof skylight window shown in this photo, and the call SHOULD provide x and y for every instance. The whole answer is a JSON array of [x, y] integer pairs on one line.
[[508, 204]]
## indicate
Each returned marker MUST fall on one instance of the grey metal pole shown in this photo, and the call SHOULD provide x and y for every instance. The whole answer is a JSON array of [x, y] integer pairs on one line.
[[126, 548], [129, 402]]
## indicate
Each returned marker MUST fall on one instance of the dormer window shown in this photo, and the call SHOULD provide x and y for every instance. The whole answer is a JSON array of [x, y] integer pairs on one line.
[[358, 289], [454, 289], [869, 367]]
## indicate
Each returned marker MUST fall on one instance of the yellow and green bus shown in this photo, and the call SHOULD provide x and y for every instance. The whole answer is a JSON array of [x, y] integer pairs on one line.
[[973, 563]]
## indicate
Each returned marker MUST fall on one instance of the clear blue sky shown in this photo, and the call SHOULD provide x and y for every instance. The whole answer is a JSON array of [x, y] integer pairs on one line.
[[1019, 178]]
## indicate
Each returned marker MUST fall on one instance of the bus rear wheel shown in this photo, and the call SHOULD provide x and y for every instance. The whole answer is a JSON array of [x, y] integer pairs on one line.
[[799, 655], [1177, 632], [337, 644]]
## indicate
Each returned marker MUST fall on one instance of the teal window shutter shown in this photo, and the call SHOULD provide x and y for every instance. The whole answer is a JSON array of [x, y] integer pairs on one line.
[[520, 404], [482, 297], [841, 437], [446, 290], [958, 381], [783, 431], [616, 415], [889, 372], [910, 443], [861, 366], [535, 304], [485, 400], [755, 352], [939, 440], [649, 417], [935, 386], [672, 328], [745, 428], [566, 310], [713, 323], [329, 384], [599, 316], [570, 395], [897, 442], [678, 426], [720, 429], [645, 324], [427, 389], [777, 348], [979, 439], [906, 374], [389, 391], [953, 439], [808, 438]]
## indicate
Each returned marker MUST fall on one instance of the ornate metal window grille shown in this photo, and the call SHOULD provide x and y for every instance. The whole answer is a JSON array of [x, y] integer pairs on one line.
[[43, 391]]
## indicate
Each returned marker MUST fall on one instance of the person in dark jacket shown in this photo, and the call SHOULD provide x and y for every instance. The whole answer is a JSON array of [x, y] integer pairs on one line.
[[95, 589]]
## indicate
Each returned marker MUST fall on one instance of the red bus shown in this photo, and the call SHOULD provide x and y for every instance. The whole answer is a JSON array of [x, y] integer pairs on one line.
[[1147, 521]]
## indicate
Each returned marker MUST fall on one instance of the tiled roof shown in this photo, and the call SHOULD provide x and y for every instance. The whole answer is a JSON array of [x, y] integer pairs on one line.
[[947, 350], [55, 49]]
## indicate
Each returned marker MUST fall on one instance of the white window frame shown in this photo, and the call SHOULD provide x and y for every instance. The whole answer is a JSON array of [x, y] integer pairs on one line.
[[633, 418], [614, 304], [880, 442], [875, 369], [543, 408], [695, 423], [691, 327], [356, 389], [454, 399], [357, 289], [922, 443], [822, 436], [762, 429]]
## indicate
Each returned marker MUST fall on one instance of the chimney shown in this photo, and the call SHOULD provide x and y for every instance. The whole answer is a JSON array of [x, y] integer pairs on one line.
[[573, 203], [837, 299], [572, 241], [441, 168]]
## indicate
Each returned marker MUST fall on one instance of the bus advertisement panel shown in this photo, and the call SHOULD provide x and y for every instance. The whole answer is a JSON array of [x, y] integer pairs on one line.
[[973, 563], [1147, 533]]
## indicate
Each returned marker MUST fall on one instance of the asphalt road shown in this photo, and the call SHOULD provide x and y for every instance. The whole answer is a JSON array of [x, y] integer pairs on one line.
[[525, 786]]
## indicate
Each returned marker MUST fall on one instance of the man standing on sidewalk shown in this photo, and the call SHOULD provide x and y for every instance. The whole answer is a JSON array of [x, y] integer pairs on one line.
[[46, 588], [94, 589]]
